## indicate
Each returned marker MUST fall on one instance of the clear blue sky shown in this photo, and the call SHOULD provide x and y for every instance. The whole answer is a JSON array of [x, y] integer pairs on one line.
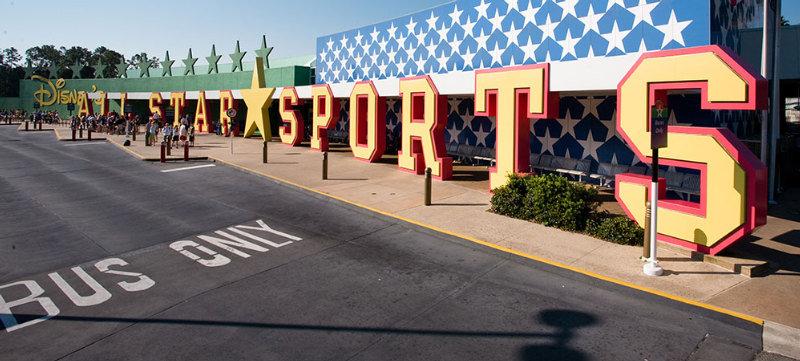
[[175, 25]]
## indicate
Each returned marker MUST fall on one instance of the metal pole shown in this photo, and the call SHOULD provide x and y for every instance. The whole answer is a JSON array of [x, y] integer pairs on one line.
[[765, 67], [428, 186], [324, 165], [651, 268], [80, 132], [776, 102], [646, 243], [163, 152], [265, 152], [26, 125], [169, 147], [89, 134]]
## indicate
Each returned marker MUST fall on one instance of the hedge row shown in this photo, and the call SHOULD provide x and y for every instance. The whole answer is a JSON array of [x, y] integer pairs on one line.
[[554, 201]]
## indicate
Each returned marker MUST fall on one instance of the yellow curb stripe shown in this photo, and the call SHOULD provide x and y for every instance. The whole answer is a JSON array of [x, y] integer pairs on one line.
[[620, 282], [550, 262]]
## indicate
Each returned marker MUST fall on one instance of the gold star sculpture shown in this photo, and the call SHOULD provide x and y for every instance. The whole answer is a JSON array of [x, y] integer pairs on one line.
[[258, 100]]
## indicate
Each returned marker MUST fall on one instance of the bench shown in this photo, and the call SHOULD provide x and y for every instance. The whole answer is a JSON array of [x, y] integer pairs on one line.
[[566, 166], [469, 154], [338, 136]]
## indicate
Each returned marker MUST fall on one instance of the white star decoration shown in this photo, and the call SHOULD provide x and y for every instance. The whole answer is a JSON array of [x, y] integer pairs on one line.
[[455, 31], [590, 146], [641, 12], [673, 30], [548, 141], [480, 136], [615, 38]]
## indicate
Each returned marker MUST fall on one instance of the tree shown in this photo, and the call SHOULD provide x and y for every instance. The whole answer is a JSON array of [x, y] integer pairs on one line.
[[138, 58], [10, 72], [77, 54], [10, 57], [108, 57], [784, 22], [44, 56]]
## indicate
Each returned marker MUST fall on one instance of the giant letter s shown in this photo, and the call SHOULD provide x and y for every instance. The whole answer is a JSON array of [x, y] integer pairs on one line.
[[733, 189]]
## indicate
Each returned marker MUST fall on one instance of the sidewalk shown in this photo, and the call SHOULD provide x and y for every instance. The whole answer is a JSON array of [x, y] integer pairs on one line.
[[460, 207]]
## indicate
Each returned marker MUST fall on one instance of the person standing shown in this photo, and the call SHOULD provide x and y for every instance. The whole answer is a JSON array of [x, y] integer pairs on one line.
[[167, 133], [183, 133], [153, 132], [191, 135]]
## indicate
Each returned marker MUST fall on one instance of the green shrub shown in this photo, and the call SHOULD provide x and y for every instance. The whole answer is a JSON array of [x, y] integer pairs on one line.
[[509, 200], [554, 201], [614, 228]]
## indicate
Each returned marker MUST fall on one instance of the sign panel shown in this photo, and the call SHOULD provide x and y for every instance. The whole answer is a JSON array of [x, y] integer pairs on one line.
[[659, 118]]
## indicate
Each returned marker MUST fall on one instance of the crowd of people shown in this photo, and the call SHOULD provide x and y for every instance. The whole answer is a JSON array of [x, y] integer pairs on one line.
[[173, 135], [12, 115]]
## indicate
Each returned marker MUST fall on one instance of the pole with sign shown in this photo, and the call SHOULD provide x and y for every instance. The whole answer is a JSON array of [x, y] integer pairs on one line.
[[231, 113], [659, 118]]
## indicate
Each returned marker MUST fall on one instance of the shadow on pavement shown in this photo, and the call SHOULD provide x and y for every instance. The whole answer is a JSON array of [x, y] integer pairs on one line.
[[555, 347]]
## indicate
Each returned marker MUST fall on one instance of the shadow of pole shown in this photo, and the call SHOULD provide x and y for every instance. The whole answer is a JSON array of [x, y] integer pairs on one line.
[[565, 321]]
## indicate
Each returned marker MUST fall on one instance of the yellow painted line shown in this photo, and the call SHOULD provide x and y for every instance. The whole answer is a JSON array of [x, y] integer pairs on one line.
[[620, 282], [582, 271]]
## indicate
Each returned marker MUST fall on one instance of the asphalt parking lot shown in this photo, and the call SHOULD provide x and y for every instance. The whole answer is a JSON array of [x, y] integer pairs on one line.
[[108, 257]]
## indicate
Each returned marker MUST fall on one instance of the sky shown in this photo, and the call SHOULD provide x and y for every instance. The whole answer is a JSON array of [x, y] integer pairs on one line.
[[153, 27], [291, 27]]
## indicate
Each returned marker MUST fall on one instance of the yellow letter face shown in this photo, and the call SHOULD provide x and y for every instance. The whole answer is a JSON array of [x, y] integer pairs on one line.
[[155, 105], [367, 122], [123, 98], [201, 121], [324, 115], [102, 102], [513, 95], [177, 100], [258, 99], [226, 101], [84, 104], [732, 199], [424, 119], [291, 131]]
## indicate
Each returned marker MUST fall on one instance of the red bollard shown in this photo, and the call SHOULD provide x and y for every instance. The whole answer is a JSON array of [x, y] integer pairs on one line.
[[185, 151], [89, 135], [163, 152], [40, 125], [169, 147], [26, 125], [73, 134]]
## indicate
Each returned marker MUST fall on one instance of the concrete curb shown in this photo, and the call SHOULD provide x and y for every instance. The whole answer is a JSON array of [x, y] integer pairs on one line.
[[781, 339]]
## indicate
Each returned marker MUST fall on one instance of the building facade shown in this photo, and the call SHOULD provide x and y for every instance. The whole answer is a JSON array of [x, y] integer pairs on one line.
[[440, 72]]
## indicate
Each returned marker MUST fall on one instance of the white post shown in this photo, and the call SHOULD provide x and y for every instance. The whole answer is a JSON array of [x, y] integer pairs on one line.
[[651, 267]]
